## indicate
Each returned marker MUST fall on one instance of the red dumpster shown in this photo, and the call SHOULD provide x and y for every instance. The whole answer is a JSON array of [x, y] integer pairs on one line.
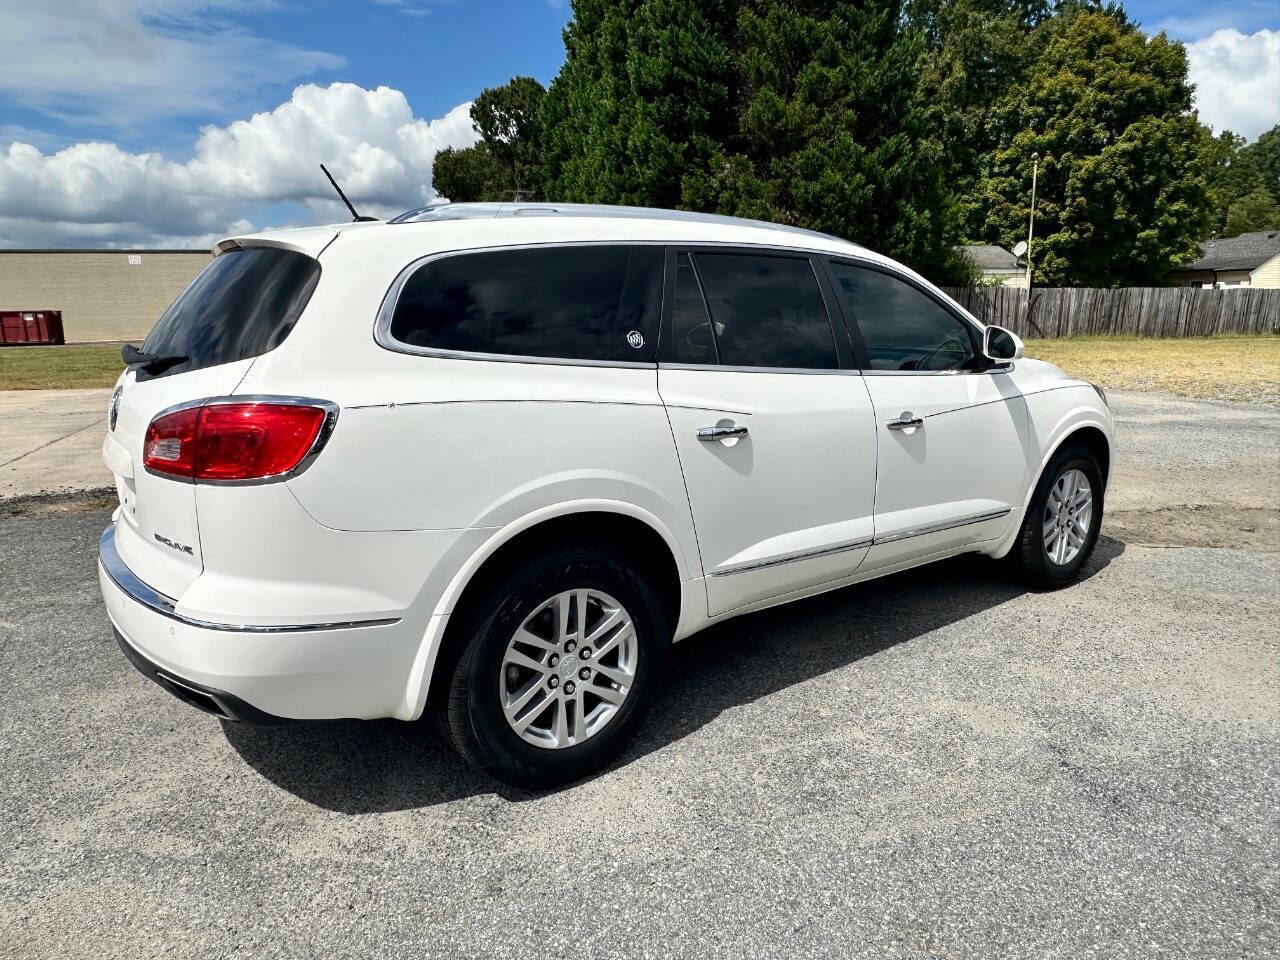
[[31, 326]]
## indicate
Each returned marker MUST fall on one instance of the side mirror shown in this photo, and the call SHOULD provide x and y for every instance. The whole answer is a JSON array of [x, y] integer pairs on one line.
[[1001, 346]]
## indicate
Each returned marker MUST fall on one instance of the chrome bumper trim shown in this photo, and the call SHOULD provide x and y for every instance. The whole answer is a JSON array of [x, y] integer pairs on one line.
[[154, 600]]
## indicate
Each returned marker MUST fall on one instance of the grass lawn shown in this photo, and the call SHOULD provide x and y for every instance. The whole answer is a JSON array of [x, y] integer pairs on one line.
[[1213, 368], [1245, 369], [75, 365]]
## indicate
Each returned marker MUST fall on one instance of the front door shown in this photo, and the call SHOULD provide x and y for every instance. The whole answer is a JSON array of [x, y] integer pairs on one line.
[[776, 440], [951, 435]]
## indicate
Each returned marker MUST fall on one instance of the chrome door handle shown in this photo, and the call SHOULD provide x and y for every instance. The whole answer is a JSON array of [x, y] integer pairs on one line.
[[905, 422], [707, 434]]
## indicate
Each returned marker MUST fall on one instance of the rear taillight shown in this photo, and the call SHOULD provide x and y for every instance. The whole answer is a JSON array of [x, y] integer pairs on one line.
[[223, 442]]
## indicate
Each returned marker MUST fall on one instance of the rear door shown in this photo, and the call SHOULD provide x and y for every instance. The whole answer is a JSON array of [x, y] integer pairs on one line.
[[241, 305], [952, 434], [773, 429]]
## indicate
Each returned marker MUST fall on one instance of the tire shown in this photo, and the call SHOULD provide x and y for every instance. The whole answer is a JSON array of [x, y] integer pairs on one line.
[[1031, 552], [490, 670]]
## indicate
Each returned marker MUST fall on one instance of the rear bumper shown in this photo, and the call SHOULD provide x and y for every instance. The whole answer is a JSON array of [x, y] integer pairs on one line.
[[257, 673], [207, 699]]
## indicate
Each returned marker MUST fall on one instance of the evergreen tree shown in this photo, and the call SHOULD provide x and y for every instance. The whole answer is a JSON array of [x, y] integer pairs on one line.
[[644, 89], [803, 113]]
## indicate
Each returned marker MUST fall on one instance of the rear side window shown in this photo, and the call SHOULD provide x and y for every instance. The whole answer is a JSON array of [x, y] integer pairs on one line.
[[241, 305], [574, 303], [903, 327], [764, 311]]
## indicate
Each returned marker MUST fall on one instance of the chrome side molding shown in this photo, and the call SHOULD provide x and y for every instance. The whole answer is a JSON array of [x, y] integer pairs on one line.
[[855, 544]]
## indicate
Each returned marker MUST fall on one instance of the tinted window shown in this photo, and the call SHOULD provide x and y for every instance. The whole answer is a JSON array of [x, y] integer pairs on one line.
[[577, 303], [241, 305], [766, 311], [902, 327], [692, 340]]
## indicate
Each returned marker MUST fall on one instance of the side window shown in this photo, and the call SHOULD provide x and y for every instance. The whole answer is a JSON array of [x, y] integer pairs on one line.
[[574, 303], [902, 327], [766, 311], [691, 334]]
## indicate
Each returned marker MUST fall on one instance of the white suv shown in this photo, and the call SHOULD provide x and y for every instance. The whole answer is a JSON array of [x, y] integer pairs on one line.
[[493, 460]]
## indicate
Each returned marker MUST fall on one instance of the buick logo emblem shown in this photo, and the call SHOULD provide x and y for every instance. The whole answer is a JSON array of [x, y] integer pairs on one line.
[[114, 410], [635, 338]]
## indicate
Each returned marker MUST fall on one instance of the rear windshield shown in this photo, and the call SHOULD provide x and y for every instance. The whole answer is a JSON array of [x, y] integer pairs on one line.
[[241, 305]]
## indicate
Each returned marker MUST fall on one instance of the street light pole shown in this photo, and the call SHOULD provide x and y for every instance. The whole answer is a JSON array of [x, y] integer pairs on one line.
[[1031, 224]]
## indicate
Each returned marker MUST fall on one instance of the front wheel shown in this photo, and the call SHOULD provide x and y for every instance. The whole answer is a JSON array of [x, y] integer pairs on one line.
[[1061, 527], [563, 661]]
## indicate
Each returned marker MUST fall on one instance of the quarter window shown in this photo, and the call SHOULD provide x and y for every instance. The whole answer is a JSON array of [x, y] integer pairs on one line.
[[575, 303], [759, 311], [903, 328]]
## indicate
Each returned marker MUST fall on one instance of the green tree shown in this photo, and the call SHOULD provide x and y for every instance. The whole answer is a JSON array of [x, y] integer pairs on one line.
[[804, 113], [976, 51], [1256, 211], [505, 164], [468, 174], [1264, 154], [1122, 195], [643, 93]]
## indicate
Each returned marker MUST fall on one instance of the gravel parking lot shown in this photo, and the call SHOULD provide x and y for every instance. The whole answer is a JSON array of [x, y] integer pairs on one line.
[[934, 765]]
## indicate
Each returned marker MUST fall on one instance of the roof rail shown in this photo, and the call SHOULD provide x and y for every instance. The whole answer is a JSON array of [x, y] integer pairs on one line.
[[485, 211]]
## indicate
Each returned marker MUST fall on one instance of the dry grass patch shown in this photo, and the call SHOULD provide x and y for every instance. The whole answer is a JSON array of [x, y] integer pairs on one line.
[[56, 368], [1243, 369]]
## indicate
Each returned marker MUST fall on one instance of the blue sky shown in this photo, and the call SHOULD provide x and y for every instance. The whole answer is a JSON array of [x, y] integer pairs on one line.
[[177, 121]]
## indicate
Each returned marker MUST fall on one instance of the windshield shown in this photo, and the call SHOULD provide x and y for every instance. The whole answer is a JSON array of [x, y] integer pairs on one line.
[[240, 306]]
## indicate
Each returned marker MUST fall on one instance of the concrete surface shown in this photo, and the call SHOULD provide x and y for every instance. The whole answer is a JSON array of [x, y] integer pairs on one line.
[[51, 441], [938, 764]]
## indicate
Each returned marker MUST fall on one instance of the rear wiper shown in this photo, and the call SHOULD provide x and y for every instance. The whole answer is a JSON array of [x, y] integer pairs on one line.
[[150, 362]]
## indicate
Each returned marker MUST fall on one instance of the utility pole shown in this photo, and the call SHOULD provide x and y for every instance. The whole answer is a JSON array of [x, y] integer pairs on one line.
[[1031, 224]]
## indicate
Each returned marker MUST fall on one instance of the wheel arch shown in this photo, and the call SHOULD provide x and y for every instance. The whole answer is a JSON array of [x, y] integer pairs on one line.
[[1094, 436], [640, 537]]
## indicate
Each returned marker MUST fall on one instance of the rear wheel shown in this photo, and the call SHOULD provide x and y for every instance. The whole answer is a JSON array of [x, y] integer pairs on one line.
[[562, 662], [1061, 527]]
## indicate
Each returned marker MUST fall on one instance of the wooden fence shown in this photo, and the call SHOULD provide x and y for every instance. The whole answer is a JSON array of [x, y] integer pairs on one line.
[[1135, 311]]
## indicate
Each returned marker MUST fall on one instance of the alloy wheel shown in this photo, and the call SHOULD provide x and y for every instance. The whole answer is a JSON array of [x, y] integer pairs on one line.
[[568, 668], [1067, 515]]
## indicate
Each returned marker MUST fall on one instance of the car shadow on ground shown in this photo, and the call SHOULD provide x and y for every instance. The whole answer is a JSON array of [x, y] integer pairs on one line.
[[386, 765]]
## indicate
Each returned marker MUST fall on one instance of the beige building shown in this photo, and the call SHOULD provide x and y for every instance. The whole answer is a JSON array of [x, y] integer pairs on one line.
[[103, 294], [1249, 260]]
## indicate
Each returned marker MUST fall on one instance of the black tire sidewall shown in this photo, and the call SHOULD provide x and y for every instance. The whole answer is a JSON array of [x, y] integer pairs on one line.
[[1040, 570], [502, 752]]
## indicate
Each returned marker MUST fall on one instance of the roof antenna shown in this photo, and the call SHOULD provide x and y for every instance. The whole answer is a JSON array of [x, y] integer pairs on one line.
[[354, 216]]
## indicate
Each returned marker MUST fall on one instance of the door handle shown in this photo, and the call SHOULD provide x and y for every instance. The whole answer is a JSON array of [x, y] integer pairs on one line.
[[708, 434], [905, 421]]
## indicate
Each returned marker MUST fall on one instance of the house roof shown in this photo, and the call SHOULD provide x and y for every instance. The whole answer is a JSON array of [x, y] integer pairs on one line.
[[1248, 251], [988, 256]]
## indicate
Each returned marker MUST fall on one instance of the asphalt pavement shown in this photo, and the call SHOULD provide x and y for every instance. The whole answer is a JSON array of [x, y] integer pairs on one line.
[[938, 764]]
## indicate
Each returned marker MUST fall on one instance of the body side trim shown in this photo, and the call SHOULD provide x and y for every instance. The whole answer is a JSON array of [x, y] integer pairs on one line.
[[872, 542]]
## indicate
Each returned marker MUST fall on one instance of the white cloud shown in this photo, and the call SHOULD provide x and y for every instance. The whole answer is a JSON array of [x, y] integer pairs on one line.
[[98, 194], [121, 64], [1237, 80]]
